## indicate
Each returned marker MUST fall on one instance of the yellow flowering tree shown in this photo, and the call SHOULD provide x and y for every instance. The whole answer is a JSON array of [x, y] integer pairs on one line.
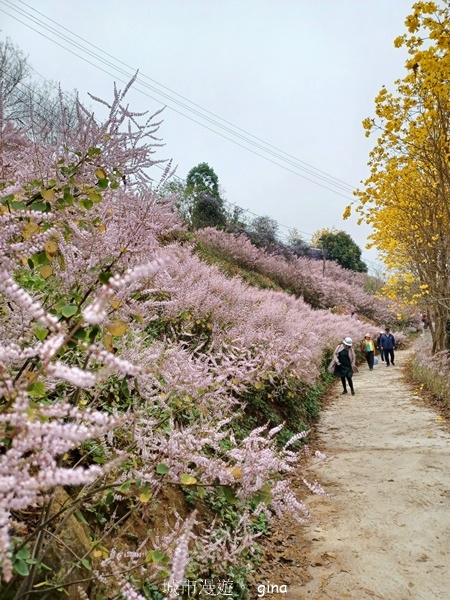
[[406, 198]]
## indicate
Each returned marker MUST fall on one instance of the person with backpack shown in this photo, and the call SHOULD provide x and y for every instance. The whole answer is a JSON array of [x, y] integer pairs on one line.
[[387, 344], [343, 364]]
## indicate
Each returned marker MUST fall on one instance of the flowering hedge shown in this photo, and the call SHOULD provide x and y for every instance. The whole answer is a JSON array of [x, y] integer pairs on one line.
[[124, 360], [302, 276], [431, 370]]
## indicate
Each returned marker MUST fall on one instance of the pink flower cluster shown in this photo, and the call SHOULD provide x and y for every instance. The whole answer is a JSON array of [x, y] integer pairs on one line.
[[337, 287]]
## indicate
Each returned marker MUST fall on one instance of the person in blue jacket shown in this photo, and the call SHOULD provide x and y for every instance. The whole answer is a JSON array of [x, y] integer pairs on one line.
[[387, 345]]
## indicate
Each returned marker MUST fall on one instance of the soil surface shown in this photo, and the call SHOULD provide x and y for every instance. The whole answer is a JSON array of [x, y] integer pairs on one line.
[[384, 530]]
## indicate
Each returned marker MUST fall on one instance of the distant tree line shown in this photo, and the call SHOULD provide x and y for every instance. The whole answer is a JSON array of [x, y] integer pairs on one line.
[[200, 201]]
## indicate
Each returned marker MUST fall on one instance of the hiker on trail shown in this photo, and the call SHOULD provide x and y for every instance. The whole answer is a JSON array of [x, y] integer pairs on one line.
[[379, 346], [368, 349], [387, 344], [343, 364], [425, 320]]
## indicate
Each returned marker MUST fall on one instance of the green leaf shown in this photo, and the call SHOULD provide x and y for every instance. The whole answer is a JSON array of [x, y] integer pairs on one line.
[[68, 198], [99, 460], [94, 332], [69, 310], [155, 556], [39, 206], [105, 277], [94, 151], [124, 388], [125, 486], [103, 183], [162, 469], [41, 334], [263, 495], [88, 204], [36, 390], [95, 197], [109, 498], [80, 517], [86, 564], [80, 334], [21, 567], [23, 553], [17, 205], [230, 494], [40, 258]]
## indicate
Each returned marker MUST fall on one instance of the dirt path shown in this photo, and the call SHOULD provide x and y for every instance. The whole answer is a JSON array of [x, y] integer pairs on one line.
[[384, 532]]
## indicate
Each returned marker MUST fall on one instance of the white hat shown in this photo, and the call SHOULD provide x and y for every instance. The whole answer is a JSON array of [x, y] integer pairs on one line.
[[348, 341]]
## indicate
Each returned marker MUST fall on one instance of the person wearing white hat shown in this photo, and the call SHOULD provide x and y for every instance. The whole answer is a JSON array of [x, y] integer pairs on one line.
[[343, 364]]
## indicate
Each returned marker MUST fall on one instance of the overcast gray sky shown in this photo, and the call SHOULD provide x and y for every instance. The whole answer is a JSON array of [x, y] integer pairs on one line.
[[301, 75]]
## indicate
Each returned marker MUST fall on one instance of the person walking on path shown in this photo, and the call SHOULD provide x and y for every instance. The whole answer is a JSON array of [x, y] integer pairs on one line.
[[379, 346], [388, 346], [368, 349], [343, 364]]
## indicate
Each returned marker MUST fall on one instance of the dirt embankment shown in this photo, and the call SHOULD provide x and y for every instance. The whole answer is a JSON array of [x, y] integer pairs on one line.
[[384, 530]]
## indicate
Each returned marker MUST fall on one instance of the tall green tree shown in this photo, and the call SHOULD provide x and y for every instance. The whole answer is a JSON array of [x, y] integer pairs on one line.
[[340, 247], [203, 178], [205, 205]]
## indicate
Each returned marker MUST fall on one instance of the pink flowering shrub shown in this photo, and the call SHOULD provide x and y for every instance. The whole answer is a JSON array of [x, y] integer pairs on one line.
[[400, 339], [431, 370], [124, 363], [302, 276], [85, 271]]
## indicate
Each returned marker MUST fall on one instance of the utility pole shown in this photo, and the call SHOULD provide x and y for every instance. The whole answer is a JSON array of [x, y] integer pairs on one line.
[[324, 260]]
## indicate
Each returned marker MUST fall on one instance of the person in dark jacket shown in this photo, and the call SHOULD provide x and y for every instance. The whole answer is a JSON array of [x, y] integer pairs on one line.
[[379, 346], [343, 364], [387, 344]]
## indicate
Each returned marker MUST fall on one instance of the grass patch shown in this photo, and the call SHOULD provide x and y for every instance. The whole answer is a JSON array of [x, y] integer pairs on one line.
[[230, 269]]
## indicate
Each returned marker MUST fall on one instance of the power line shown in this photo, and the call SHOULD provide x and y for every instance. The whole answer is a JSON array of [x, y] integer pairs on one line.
[[349, 186], [284, 237], [290, 229], [326, 178]]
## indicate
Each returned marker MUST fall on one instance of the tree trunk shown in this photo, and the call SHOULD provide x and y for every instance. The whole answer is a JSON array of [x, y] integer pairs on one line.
[[440, 331]]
